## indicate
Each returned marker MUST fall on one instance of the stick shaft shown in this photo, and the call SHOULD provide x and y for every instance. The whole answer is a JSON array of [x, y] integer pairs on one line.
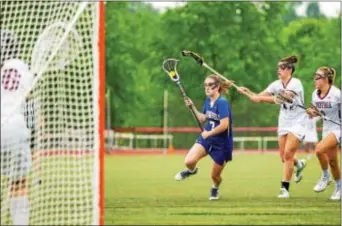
[[323, 117], [191, 108], [224, 78]]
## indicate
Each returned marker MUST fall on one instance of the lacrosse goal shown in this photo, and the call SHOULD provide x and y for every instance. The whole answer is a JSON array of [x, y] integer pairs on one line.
[[63, 44]]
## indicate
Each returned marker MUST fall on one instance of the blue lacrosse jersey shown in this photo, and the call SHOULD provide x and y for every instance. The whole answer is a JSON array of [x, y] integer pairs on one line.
[[220, 109]]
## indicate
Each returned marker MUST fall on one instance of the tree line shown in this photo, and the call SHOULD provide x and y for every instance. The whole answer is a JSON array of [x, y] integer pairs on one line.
[[242, 40]]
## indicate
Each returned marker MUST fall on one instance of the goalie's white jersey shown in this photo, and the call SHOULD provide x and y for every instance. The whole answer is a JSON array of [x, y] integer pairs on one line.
[[330, 106], [16, 79], [290, 115]]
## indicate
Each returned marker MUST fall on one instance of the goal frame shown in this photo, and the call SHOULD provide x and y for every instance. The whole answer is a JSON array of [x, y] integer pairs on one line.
[[101, 105]]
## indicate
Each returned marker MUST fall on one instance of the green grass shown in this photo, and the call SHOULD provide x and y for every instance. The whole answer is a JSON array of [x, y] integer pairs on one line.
[[141, 190], [63, 198]]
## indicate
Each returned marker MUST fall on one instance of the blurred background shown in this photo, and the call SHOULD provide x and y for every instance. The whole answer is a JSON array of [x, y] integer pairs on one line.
[[241, 40]]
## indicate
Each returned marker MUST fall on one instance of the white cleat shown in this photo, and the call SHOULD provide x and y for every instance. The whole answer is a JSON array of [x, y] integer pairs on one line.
[[322, 184], [212, 198], [284, 194], [185, 174], [336, 195], [179, 177], [299, 171]]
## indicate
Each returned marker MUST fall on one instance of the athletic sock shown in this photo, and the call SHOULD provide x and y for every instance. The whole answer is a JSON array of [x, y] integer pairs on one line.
[[286, 185], [326, 173], [19, 210]]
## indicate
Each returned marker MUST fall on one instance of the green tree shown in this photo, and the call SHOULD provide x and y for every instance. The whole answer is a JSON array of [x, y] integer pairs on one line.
[[313, 10], [242, 40], [129, 29], [290, 13]]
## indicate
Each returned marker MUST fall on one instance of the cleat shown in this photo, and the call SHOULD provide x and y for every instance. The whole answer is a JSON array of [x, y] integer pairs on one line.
[[299, 171], [185, 174], [336, 195], [284, 194], [214, 194], [322, 184]]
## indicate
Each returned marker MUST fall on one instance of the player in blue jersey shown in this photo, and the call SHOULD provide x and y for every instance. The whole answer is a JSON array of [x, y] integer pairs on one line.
[[217, 138]]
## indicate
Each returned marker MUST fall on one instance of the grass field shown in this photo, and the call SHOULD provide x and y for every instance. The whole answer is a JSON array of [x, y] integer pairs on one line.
[[141, 190], [63, 198]]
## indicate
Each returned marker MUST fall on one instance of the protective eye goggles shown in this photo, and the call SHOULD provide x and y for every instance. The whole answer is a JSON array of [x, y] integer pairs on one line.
[[210, 84], [284, 66], [318, 76]]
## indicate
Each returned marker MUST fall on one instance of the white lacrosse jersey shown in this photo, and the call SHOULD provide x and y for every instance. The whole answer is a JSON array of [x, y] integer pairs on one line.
[[290, 115], [330, 106], [16, 80]]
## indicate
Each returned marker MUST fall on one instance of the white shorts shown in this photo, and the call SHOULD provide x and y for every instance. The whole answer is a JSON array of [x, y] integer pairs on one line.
[[337, 134], [298, 130], [15, 152], [311, 136]]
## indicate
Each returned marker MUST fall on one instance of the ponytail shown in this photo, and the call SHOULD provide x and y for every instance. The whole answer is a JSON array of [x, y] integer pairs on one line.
[[332, 75]]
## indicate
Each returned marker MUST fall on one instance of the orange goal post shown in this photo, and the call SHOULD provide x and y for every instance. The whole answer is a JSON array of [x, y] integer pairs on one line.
[[63, 45]]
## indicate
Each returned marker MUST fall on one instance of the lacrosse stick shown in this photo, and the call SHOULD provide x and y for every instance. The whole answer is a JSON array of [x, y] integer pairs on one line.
[[170, 67], [53, 50], [282, 98], [49, 40], [200, 60]]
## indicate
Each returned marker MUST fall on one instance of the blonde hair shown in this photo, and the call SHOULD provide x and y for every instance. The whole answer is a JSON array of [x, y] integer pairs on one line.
[[223, 84], [328, 72]]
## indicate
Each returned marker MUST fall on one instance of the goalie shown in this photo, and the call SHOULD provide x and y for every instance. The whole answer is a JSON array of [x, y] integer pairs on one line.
[[16, 79]]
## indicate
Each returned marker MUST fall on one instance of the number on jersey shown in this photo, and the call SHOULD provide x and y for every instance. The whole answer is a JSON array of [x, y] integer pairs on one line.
[[10, 79]]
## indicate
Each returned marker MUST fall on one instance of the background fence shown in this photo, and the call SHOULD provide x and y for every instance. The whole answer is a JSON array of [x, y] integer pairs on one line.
[[182, 138]]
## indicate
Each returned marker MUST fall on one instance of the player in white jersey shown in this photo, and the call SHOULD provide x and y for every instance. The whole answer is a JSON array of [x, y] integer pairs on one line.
[[327, 100], [15, 150], [311, 138], [291, 121]]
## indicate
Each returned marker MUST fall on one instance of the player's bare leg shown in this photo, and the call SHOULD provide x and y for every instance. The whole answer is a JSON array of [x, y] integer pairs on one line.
[[196, 152], [300, 164], [217, 179], [281, 143], [328, 147], [292, 144], [19, 204], [322, 150], [335, 172]]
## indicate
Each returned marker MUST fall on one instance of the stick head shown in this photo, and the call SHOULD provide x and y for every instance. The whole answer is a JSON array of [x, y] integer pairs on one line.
[[48, 41], [197, 57], [316, 110], [170, 67], [282, 98]]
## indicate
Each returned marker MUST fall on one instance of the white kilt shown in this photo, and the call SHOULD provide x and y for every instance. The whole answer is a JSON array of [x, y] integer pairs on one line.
[[311, 136], [298, 130]]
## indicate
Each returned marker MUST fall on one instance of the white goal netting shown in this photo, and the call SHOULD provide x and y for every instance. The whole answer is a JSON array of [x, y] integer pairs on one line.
[[50, 123]]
